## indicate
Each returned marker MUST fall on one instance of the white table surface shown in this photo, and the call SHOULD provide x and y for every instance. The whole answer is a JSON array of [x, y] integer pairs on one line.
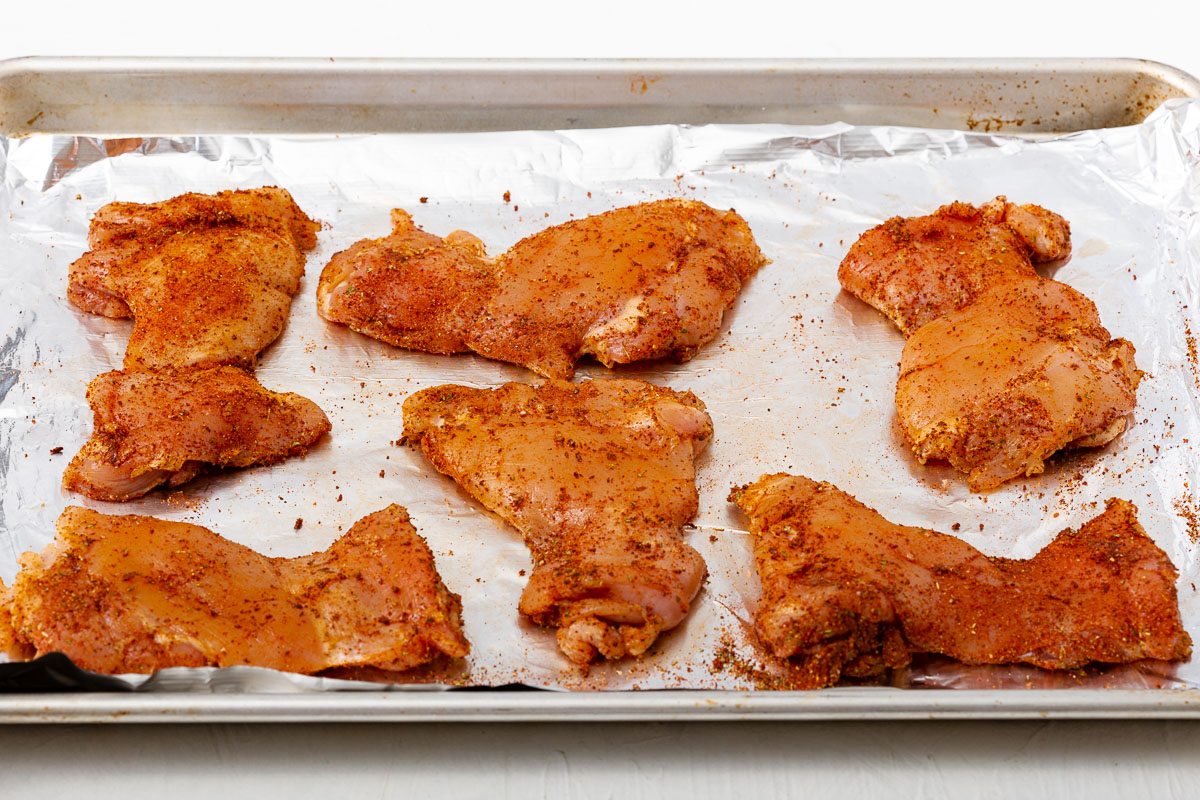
[[625, 760]]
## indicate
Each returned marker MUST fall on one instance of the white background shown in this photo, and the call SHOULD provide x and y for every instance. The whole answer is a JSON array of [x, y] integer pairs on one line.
[[922, 759]]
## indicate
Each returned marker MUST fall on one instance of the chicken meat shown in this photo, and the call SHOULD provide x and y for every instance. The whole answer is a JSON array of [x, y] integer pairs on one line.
[[166, 426], [410, 289], [599, 478], [999, 386], [125, 594], [642, 282], [847, 593], [1002, 368], [208, 279], [917, 269]]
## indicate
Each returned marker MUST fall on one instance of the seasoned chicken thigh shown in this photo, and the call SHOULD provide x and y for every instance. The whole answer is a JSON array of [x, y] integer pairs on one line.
[[208, 279], [845, 592], [122, 594], [1002, 368], [917, 269], [166, 426], [599, 479], [1000, 385], [636, 283], [410, 288]]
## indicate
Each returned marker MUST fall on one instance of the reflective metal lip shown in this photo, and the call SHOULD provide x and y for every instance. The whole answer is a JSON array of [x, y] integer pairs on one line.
[[143, 96], [662, 706]]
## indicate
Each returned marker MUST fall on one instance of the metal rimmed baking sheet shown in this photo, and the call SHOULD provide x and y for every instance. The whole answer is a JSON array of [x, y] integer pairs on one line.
[[744, 137]]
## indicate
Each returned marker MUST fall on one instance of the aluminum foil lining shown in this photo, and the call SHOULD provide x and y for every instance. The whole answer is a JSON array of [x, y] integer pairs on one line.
[[800, 379]]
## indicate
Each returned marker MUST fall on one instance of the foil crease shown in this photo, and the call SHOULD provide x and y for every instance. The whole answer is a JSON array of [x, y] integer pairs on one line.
[[801, 378]]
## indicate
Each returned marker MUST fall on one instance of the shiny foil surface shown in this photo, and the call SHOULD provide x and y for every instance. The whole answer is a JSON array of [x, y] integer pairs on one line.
[[800, 379]]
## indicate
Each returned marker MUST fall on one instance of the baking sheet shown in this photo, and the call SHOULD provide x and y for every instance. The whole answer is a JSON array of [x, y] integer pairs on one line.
[[800, 379]]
